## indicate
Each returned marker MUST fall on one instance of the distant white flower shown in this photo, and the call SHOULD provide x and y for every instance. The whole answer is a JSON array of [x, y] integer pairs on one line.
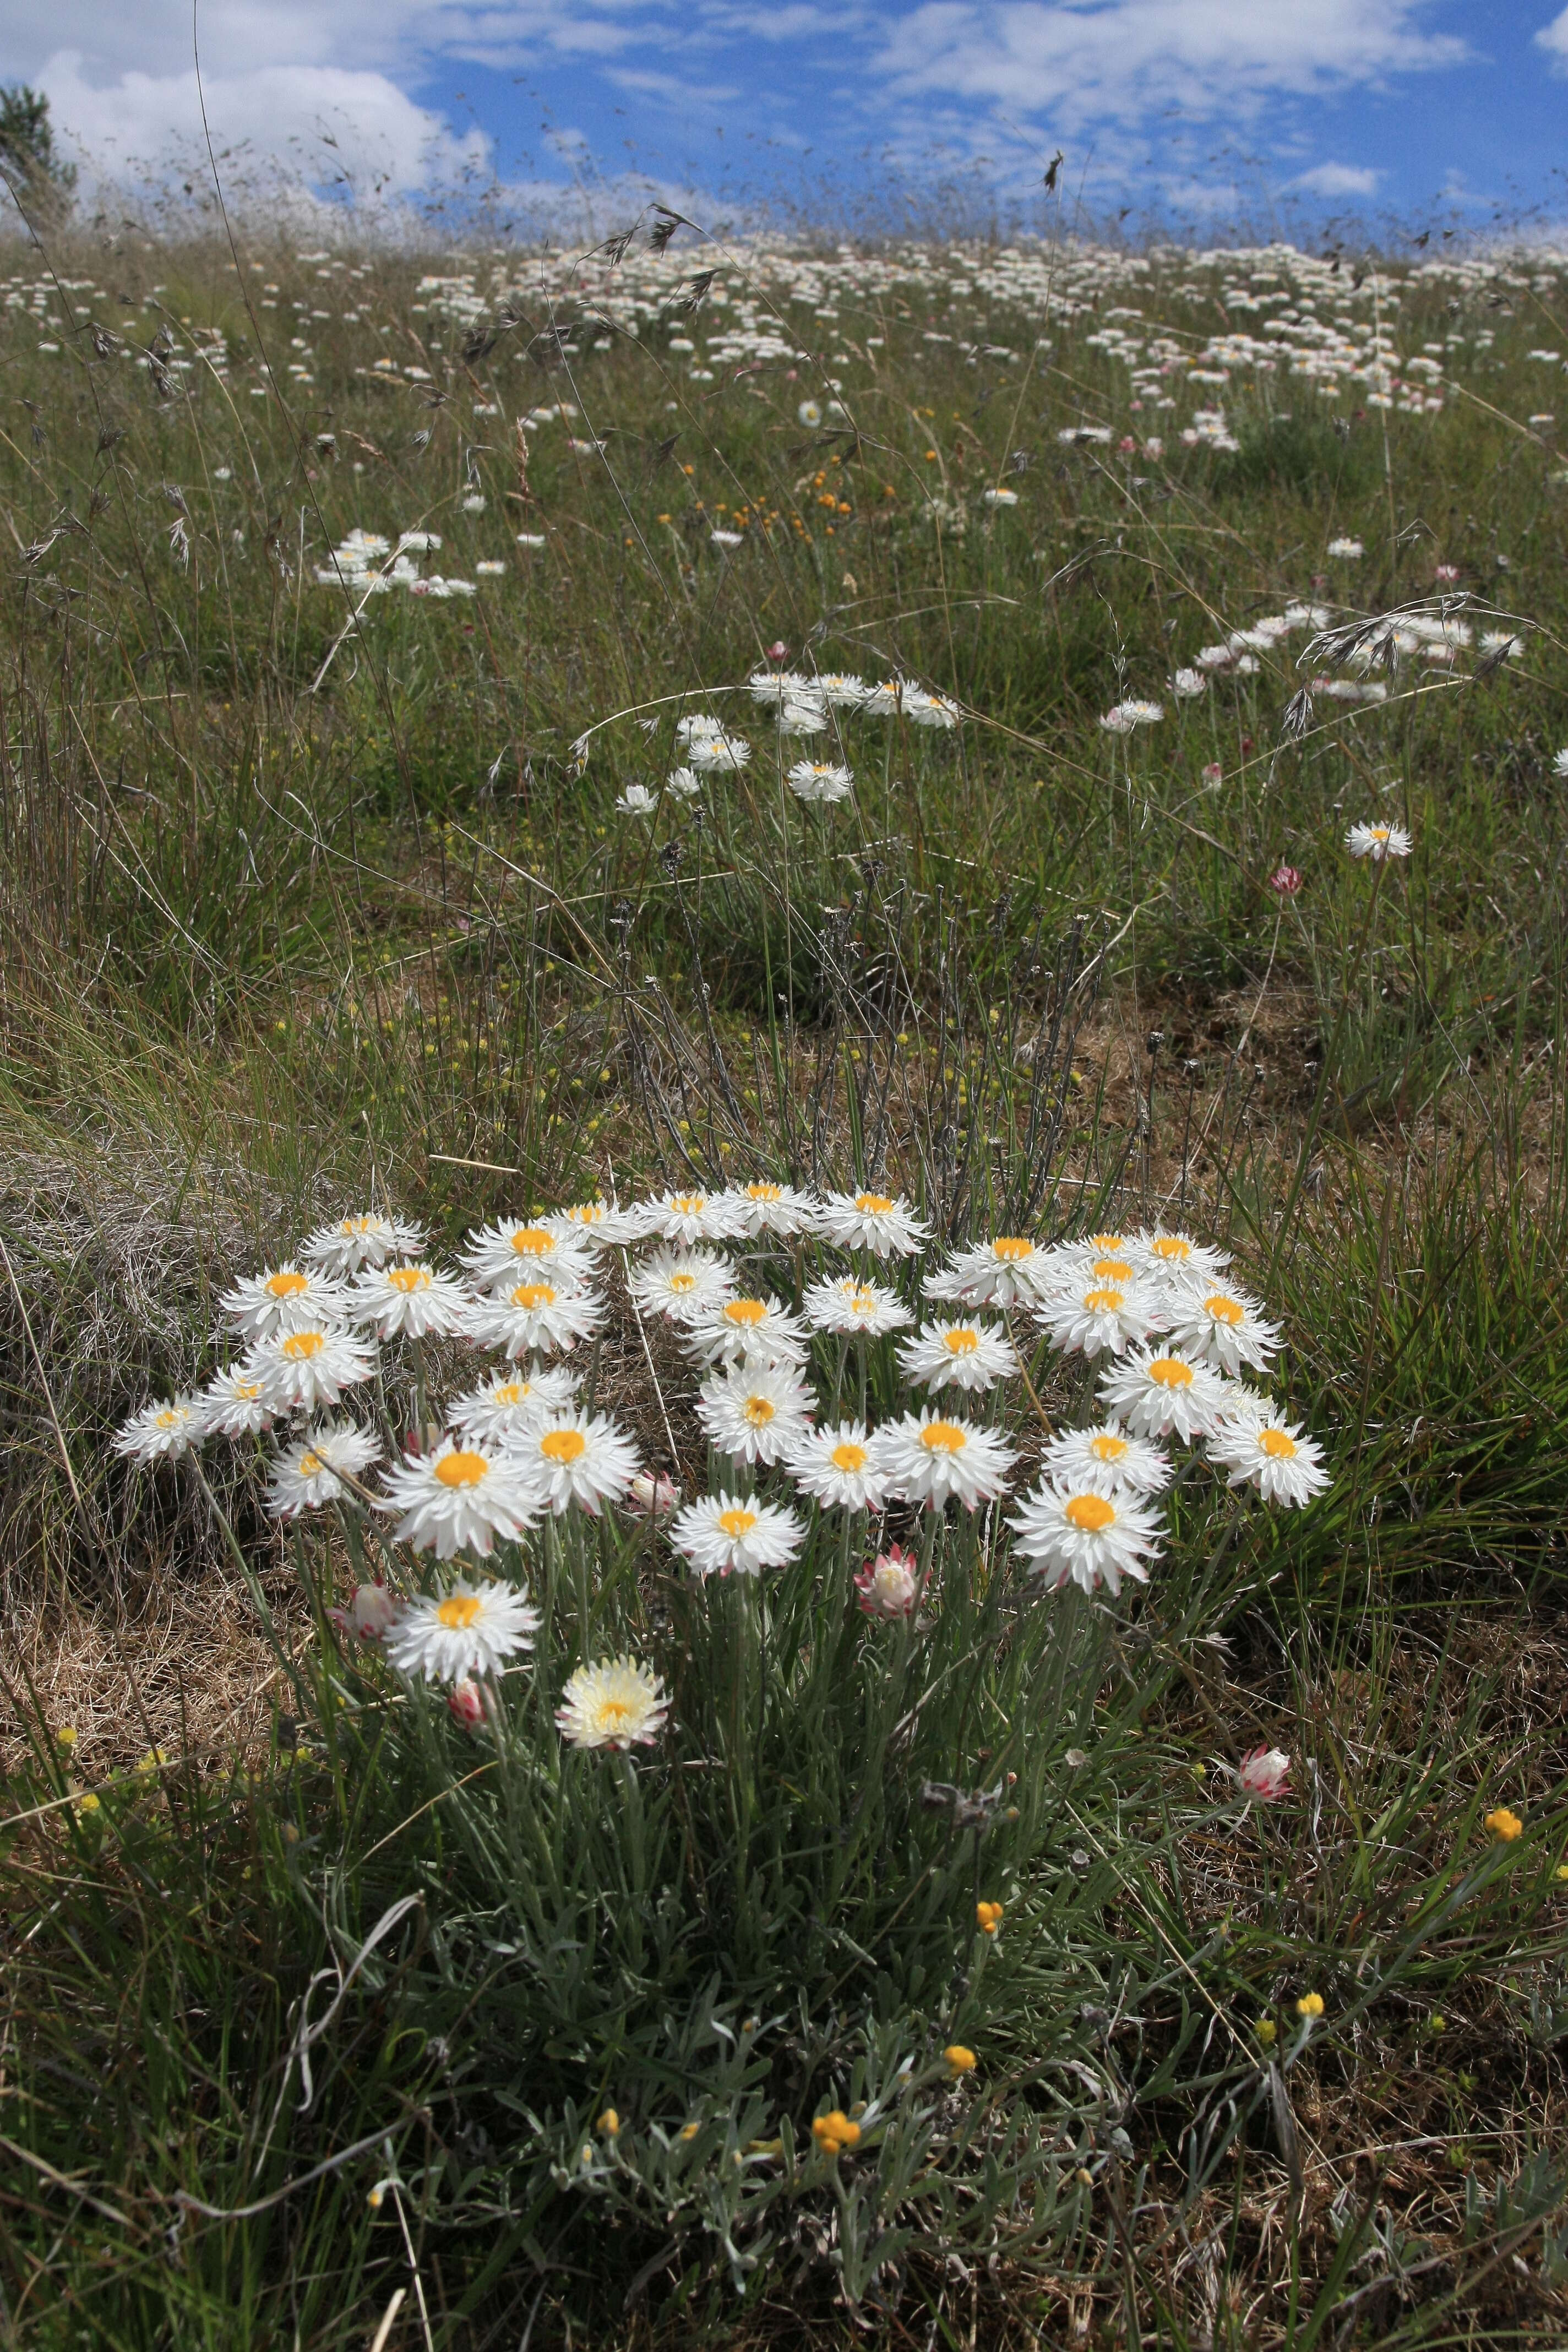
[[1503, 642], [636, 801], [1560, 763], [474, 502], [364, 1239], [1003, 497], [886, 1226], [689, 1217], [1123, 717], [726, 538], [306, 1473], [233, 1404], [575, 1457], [303, 1371], [776, 687], [732, 1535], [519, 1249], [866, 1308], [1106, 1455], [1221, 1325], [459, 1499], [1101, 1318], [822, 780], [841, 689], [809, 415], [534, 1318], [1187, 683], [531, 538], [1165, 1255], [969, 1355], [489, 569], [505, 1407], [836, 1467], [1346, 550], [741, 1330], [284, 1299], [923, 709], [1006, 1272], [718, 754], [617, 1703], [1272, 1455], [755, 1412], [410, 1301], [470, 1629], [927, 1459], [697, 725], [804, 713], [683, 785], [1378, 842], [679, 1284], [162, 1433], [1086, 1534], [1163, 1395], [594, 1224], [763, 1206]]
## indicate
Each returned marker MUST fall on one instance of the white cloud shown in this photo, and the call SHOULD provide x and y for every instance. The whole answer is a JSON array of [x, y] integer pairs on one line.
[[1339, 180], [1141, 59], [1554, 38]]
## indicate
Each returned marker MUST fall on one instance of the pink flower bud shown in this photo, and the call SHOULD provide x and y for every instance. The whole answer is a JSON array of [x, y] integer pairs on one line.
[[777, 650], [890, 1585], [371, 1614], [1265, 1774], [652, 1495], [1127, 445], [466, 1703], [1213, 773], [1285, 880], [1446, 575]]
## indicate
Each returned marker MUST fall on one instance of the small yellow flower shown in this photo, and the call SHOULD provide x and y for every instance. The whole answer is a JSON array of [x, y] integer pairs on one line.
[[989, 1916], [84, 1807], [148, 1767], [1562, 1871], [1437, 2023], [375, 2199], [690, 2131], [1504, 1825], [1084, 2177], [1267, 2032], [66, 1736], [610, 2123], [835, 2132], [1310, 2005], [962, 2061]]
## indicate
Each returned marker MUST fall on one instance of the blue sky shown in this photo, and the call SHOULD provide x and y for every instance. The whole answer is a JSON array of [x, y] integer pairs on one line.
[[1206, 114]]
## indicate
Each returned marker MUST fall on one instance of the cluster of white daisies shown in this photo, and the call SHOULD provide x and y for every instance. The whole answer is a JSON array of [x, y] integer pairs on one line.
[[1174, 1340]]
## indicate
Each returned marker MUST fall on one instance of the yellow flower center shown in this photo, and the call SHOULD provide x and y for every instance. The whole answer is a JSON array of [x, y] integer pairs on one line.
[[1278, 1446], [288, 1286], [765, 1193], [961, 1343], [1106, 1244], [679, 1284], [1224, 1309], [459, 1469], [1170, 1372], [1112, 1269], [611, 1714], [737, 1522], [1106, 1448], [1171, 1247], [1102, 1302], [1090, 1513], [530, 1294], [872, 1205], [300, 1346], [246, 1392], [746, 1312], [310, 1463], [512, 1392], [1378, 832], [354, 1227], [689, 1204], [586, 1213], [168, 1419], [564, 1446], [759, 1411], [863, 1302], [459, 1610], [849, 1457], [944, 1437], [1010, 1248], [408, 1279], [533, 1241]]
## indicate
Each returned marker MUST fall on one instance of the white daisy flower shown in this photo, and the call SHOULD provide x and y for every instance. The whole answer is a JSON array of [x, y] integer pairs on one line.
[[748, 1331], [867, 1309], [971, 1356], [577, 1457], [636, 801], [284, 1299], [1102, 1319], [734, 1535], [1272, 1455], [460, 1498], [1166, 1256], [1087, 1534], [1009, 1271], [757, 1412], [683, 785], [470, 1629], [1221, 1325], [841, 689], [822, 780], [765, 1207], [617, 1703], [595, 1224], [887, 1228], [303, 1371], [519, 1249], [1186, 684], [1378, 842], [1163, 1395], [364, 1239], [681, 1284], [306, 1473], [411, 1301], [803, 714], [925, 1459], [233, 1404], [1346, 550], [689, 1217], [1002, 497], [838, 1468], [696, 726], [1109, 1455], [718, 754], [163, 1431], [1560, 763], [777, 685], [885, 698], [534, 1318], [1502, 641], [923, 709], [508, 1406]]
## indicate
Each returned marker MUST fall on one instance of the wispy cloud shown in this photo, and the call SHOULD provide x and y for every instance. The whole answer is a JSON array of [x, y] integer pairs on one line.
[[1339, 180]]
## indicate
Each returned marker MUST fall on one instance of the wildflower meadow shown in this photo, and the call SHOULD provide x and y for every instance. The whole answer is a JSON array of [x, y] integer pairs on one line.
[[783, 1227]]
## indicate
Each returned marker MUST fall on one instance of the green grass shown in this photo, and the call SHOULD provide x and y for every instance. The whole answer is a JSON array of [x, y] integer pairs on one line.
[[270, 943]]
